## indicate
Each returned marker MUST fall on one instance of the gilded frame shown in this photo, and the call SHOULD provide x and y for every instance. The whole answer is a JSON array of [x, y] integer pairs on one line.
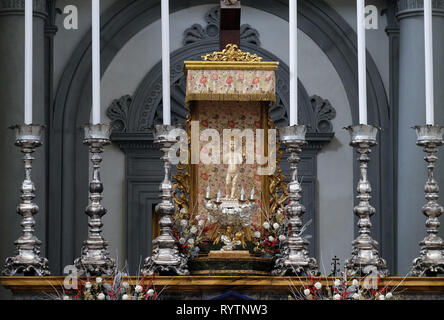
[[274, 187]]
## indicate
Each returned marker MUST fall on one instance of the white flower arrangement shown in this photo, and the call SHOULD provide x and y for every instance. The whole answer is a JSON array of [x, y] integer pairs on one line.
[[190, 232], [340, 289], [101, 296], [138, 289], [117, 288]]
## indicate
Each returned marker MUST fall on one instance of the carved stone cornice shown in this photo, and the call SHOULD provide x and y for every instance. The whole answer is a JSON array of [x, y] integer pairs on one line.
[[317, 141], [392, 21], [17, 7], [134, 141], [118, 113], [409, 8]]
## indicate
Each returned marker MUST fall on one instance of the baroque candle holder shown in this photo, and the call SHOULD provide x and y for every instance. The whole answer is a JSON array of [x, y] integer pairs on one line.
[[95, 259], [295, 259], [431, 260], [166, 258], [27, 261], [365, 257]]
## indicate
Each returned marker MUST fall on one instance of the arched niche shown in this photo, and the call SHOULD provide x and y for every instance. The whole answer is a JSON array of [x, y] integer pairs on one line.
[[133, 118]]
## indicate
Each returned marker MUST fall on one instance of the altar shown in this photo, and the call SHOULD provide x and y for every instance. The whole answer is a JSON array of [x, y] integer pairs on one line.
[[225, 231], [233, 214], [227, 287]]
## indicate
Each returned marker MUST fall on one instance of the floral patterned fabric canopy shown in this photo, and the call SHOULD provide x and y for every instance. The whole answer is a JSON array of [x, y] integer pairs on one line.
[[231, 75]]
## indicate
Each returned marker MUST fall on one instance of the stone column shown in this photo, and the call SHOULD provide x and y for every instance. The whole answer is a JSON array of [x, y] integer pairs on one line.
[[12, 49], [411, 165]]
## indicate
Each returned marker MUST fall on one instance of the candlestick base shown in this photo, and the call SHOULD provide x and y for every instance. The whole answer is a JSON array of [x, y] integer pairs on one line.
[[166, 258], [431, 260], [295, 259], [95, 260], [28, 261], [365, 257]]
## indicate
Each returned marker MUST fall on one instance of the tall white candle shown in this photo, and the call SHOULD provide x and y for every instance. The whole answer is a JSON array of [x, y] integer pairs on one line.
[[95, 61], [429, 79], [293, 62], [166, 62], [362, 62], [28, 60]]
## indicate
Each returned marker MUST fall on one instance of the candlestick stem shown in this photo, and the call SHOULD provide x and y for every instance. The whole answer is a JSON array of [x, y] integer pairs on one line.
[[95, 260], [295, 259], [27, 261], [431, 260], [365, 256], [166, 258]]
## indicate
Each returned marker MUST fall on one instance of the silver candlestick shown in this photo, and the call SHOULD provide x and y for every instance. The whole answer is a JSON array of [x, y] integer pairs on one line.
[[95, 259], [27, 261], [166, 258], [431, 260], [295, 259], [365, 256]]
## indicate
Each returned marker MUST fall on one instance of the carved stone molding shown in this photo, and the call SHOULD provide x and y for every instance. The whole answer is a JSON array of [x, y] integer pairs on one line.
[[17, 7], [390, 12], [118, 113], [324, 113], [134, 141], [408, 8]]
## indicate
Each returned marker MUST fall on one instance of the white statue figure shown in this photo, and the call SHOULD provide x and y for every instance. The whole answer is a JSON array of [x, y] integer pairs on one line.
[[233, 159]]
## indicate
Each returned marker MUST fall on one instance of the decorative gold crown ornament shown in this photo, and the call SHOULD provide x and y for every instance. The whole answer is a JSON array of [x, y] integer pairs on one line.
[[232, 53]]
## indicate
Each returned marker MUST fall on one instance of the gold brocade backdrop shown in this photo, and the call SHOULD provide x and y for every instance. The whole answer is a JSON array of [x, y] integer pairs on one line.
[[222, 115]]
